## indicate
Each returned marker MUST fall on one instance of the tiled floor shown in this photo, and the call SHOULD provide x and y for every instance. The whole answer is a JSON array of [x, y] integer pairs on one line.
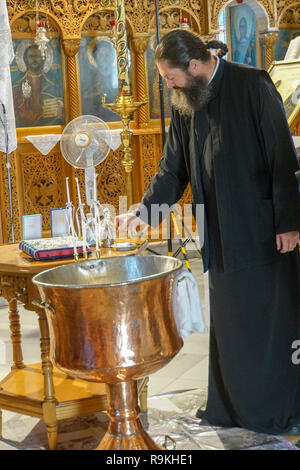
[[188, 370]]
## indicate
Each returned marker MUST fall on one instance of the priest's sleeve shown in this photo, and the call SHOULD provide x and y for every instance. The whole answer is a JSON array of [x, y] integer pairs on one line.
[[171, 179]]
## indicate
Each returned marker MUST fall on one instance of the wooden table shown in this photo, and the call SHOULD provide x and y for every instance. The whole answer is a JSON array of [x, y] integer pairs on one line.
[[41, 390]]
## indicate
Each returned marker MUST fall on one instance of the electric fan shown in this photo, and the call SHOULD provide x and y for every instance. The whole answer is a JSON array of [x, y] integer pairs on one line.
[[86, 142]]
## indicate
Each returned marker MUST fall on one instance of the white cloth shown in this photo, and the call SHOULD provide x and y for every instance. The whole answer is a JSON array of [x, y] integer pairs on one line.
[[296, 140], [187, 305], [6, 96], [115, 138], [44, 143]]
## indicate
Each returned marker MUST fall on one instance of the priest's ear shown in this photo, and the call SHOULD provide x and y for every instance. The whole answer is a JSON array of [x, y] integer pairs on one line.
[[196, 67]]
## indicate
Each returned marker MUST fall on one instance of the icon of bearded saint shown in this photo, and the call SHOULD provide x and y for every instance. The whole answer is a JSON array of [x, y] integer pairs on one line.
[[34, 100]]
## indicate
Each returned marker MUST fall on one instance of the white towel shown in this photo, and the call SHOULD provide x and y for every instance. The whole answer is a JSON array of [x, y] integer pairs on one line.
[[187, 305]]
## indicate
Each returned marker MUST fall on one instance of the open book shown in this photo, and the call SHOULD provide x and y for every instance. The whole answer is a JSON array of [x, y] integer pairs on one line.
[[293, 51]]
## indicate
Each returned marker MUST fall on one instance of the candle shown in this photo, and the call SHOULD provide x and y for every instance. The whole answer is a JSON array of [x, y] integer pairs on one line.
[[78, 191], [96, 225], [122, 55], [95, 187], [67, 187], [84, 242]]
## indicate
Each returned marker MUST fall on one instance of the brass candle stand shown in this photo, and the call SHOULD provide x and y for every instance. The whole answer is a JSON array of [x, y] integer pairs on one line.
[[125, 106]]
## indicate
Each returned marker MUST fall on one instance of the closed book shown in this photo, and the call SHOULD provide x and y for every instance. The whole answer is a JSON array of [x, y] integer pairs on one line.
[[51, 248]]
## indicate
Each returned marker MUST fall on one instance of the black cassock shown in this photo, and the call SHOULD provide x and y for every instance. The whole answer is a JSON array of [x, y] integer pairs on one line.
[[239, 157], [254, 319]]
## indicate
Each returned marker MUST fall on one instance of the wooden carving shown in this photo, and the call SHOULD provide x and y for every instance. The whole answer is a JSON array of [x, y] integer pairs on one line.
[[288, 13], [43, 184]]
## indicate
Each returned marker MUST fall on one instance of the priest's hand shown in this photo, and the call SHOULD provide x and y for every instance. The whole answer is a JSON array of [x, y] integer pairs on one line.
[[287, 241], [129, 223]]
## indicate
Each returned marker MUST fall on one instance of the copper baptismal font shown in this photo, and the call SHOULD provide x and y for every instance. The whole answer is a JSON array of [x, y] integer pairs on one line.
[[111, 320]]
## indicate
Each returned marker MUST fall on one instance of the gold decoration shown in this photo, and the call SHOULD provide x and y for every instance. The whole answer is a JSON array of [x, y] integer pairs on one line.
[[111, 179], [148, 158], [71, 46], [100, 21], [269, 39], [27, 24], [105, 3], [140, 44], [288, 12], [122, 49]]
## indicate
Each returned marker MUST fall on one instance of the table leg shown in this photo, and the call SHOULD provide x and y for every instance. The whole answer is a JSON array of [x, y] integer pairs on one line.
[[49, 404], [15, 329]]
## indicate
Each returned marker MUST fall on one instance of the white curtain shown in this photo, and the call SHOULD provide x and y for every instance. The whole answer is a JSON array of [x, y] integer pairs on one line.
[[6, 97]]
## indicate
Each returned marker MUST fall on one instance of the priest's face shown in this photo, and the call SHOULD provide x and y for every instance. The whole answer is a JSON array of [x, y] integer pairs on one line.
[[191, 90]]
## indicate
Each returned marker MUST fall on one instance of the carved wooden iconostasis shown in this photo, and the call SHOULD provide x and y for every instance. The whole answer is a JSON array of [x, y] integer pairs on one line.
[[71, 83]]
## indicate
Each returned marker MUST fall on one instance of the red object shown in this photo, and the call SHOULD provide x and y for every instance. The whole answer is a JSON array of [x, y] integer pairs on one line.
[[184, 20], [112, 23], [239, 1]]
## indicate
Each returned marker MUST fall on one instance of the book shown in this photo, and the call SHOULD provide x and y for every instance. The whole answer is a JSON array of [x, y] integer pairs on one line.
[[51, 248], [293, 51]]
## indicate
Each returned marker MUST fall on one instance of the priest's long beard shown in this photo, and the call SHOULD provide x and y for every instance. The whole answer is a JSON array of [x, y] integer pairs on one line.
[[193, 97]]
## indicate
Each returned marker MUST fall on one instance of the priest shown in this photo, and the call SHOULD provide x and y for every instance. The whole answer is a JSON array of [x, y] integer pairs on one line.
[[230, 139]]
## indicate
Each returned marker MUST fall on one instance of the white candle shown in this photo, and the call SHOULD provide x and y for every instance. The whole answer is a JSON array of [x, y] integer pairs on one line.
[[96, 219], [78, 191], [84, 236], [67, 187], [95, 187]]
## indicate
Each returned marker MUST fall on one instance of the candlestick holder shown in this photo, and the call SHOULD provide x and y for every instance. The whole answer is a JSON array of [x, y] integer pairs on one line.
[[125, 106]]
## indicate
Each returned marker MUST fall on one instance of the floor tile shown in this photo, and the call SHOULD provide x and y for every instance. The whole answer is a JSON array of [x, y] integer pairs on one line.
[[199, 370], [179, 364], [158, 384]]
